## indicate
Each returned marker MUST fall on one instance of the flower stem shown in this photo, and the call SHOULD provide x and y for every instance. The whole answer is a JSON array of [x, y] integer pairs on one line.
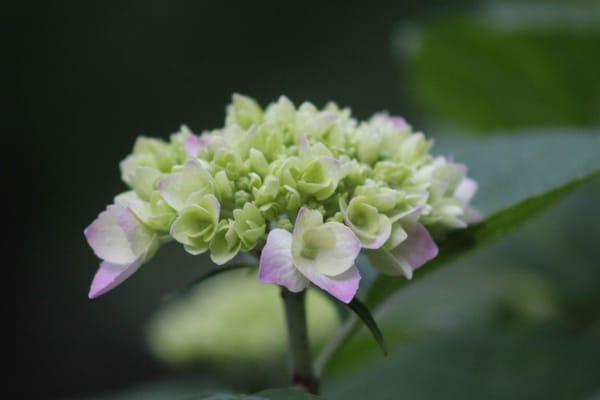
[[299, 349]]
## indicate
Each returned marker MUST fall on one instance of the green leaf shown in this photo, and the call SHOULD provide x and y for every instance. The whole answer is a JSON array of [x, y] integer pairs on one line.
[[365, 316], [484, 363], [210, 274]]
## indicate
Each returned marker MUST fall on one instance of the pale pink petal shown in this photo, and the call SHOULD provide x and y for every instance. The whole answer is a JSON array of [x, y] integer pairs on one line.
[[192, 144], [276, 264], [110, 275], [471, 216], [415, 251], [343, 286], [108, 239], [398, 122]]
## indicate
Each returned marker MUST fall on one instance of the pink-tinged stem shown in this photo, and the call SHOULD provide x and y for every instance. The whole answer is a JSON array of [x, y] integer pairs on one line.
[[299, 348]]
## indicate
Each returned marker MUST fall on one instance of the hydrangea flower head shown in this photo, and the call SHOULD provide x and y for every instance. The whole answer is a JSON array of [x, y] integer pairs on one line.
[[305, 188]]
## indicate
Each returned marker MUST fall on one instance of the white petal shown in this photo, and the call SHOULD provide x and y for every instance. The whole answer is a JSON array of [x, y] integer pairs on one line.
[[276, 265], [177, 187], [410, 215], [306, 219], [117, 236], [465, 191], [341, 257], [383, 234], [140, 238], [373, 241]]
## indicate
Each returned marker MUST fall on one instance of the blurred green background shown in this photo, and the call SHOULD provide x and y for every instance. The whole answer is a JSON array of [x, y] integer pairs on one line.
[[517, 320]]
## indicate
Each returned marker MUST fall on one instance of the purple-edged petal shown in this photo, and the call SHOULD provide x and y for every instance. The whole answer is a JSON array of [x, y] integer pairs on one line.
[[415, 251], [117, 236], [412, 253], [192, 144], [110, 275], [343, 286], [419, 247], [398, 122], [471, 216], [276, 264]]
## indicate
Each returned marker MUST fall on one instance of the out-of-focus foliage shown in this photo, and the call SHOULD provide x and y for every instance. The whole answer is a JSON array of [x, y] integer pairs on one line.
[[508, 66], [233, 320]]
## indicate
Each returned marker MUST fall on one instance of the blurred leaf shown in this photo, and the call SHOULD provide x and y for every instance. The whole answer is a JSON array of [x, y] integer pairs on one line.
[[487, 72], [491, 363], [365, 316], [210, 274]]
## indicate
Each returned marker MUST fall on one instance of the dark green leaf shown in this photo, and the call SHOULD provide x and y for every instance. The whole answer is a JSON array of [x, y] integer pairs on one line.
[[485, 363], [210, 274], [365, 316]]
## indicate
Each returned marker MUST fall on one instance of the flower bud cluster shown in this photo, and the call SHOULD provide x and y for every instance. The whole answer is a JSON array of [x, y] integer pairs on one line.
[[316, 178]]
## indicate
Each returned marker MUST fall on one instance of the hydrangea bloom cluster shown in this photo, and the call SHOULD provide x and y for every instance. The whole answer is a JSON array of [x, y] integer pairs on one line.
[[305, 188]]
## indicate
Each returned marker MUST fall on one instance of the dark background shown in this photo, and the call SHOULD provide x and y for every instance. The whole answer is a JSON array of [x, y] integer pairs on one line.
[[92, 76]]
